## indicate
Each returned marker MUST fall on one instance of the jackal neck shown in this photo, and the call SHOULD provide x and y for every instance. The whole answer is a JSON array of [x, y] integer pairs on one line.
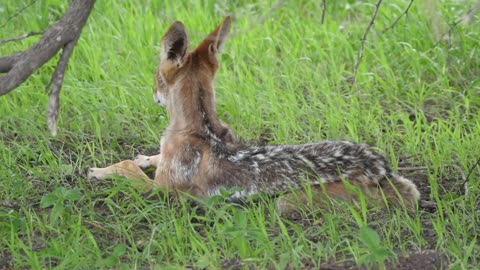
[[193, 108]]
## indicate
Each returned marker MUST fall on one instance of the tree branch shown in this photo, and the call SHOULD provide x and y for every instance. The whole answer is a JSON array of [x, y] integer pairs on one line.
[[464, 20], [17, 13], [55, 38], [324, 8], [7, 62], [24, 36], [56, 82], [362, 45], [465, 182], [405, 13], [62, 35], [471, 13]]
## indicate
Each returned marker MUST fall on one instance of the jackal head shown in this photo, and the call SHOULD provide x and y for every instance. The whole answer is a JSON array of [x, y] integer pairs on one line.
[[184, 80], [182, 75]]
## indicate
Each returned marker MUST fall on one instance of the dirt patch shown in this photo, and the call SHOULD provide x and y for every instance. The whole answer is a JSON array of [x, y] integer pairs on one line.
[[5, 262], [421, 260]]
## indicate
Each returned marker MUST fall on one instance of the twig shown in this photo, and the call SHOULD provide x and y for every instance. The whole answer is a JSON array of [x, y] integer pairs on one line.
[[464, 20], [17, 13], [55, 151], [24, 36], [362, 46], [56, 82], [449, 32], [465, 182], [471, 13], [324, 8], [405, 13], [460, 171]]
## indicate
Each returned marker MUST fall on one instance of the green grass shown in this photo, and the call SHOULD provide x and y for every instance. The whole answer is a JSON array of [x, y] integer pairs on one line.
[[283, 78]]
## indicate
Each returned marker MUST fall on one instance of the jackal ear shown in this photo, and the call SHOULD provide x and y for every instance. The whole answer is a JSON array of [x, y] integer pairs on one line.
[[174, 43], [221, 35], [215, 41]]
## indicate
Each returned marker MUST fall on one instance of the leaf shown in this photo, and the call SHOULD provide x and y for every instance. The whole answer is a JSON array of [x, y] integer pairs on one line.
[[55, 213], [366, 259], [66, 169], [203, 262], [113, 258], [382, 254], [108, 262], [369, 237], [214, 200], [119, 250], [48, 200], [72, 195]]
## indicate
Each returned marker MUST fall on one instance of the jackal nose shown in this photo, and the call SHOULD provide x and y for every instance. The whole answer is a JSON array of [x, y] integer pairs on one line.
[[158, 100]]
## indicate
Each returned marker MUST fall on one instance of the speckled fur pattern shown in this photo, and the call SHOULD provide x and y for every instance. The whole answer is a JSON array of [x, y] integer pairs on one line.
[[279, 168]]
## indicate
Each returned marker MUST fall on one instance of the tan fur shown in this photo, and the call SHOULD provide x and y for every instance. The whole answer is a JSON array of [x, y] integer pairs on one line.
[[199, 152]]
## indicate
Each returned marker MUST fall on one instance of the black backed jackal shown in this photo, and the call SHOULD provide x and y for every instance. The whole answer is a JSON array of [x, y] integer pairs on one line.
[[199, 153]]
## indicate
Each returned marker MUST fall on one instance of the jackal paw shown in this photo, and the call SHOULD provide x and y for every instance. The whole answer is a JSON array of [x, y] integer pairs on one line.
[[95, 174], [143, 161]]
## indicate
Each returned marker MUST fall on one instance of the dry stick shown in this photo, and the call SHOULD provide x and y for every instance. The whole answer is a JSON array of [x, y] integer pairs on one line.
[[471, 13], [465, 183], [324, 8], [449, 33], [362, 46], [24, 36], [18, 13], [405, 13], [464, 20], [56, 82], [462, 175]]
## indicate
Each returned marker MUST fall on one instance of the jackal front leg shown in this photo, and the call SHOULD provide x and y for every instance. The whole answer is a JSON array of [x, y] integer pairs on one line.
[[128, 169], [147, 161]]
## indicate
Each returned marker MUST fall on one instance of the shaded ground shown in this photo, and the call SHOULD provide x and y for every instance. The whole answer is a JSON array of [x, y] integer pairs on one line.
[[424, 259]]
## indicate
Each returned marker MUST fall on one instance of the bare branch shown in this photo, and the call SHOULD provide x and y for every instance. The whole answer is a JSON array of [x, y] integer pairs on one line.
[[55, 38], [362, 45], [470, 14], [24, 36], [465, 182], [405, 13], [324, 8], [17, 13], [56, 82], [464, 20], [62, 35], [7, 62]]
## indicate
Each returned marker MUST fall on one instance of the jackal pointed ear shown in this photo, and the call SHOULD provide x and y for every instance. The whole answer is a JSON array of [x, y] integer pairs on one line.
[[215, 41], [174, 43], [221, 35]]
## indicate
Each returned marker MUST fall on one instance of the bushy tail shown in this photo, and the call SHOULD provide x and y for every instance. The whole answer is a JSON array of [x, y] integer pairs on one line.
[[400, 191], [395, 191]]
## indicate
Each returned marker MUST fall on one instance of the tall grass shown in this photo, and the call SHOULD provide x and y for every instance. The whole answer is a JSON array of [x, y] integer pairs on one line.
[[283, 78]]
